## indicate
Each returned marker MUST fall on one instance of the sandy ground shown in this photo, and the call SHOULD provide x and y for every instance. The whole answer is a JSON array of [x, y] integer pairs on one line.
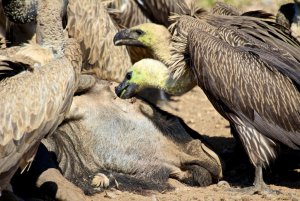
[[200, 115]]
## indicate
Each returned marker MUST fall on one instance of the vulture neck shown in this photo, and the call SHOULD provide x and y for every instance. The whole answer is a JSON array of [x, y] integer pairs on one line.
[[49, 21], [160, 77], [162, 52], [161, 48]]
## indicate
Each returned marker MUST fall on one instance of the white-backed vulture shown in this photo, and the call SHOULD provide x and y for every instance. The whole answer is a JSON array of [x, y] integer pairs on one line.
[[224, 9], [159, 11], [18, 21], [36, 88], [133, 13], [159, 40], [128, 14], [90, 24], [2, 28], [248, 68]]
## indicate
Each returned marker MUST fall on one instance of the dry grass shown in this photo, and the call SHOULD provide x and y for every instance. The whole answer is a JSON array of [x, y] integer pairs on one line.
[[246, 5]]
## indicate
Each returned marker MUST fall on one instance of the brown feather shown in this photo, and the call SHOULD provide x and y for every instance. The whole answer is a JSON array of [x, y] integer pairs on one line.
[[243, 30], [90, 24], [34, 103], [247, 86]]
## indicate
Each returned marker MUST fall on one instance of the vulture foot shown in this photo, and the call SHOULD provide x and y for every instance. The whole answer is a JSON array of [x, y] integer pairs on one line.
[[259, 187]]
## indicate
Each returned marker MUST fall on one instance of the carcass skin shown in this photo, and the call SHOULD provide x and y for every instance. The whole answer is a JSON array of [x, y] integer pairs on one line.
[[131, 142]]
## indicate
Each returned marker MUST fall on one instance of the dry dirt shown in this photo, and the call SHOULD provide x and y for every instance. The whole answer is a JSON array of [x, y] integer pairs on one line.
[[199, 114]]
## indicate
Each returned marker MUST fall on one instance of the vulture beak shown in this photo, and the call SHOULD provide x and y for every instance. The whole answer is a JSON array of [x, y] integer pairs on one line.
[[129, 37], [126, 90]]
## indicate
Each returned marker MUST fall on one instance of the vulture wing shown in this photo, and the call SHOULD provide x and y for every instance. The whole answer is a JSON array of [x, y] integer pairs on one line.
[[32, 105], [246, 84], [90, 24]]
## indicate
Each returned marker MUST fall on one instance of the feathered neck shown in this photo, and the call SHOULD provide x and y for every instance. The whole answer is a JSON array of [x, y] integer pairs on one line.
[[156, 75], [49, 31], [162, 51]]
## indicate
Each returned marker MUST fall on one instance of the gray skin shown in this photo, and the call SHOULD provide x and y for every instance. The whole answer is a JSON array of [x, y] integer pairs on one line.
[[130, 142]]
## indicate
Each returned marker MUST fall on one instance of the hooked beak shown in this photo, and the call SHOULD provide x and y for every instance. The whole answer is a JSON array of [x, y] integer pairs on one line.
[[128, 37], [126, 90]]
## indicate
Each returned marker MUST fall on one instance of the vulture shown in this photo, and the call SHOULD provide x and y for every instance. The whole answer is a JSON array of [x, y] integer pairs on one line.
[[89, 22], [288, 16], [135, 12], [249, 69], [158, 39], [128, 15], [37, 85]]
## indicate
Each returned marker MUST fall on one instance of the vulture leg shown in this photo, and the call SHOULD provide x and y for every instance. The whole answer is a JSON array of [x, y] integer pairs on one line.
[[260, 186], [260, 150], [259, 183]]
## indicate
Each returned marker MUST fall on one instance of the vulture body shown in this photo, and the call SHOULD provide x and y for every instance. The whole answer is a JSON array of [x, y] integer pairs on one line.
[[90, 24], [248, 68], [37, 87]]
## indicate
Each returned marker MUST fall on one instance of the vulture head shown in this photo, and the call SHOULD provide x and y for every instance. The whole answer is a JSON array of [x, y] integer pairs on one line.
[[150, 73], [143, 74], [144, 35]]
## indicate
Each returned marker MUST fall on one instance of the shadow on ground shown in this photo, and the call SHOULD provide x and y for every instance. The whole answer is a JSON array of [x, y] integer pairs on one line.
[[238, 171]]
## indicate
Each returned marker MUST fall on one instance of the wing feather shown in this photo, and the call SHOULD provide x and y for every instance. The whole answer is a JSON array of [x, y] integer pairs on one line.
[[248, 86], [90, 24], [236, 31], [129, 14], [33, 103], [158, 11]]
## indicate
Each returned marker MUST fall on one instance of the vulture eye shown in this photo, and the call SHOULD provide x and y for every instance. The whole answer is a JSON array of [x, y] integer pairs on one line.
[[128, 75], [139, 32]]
